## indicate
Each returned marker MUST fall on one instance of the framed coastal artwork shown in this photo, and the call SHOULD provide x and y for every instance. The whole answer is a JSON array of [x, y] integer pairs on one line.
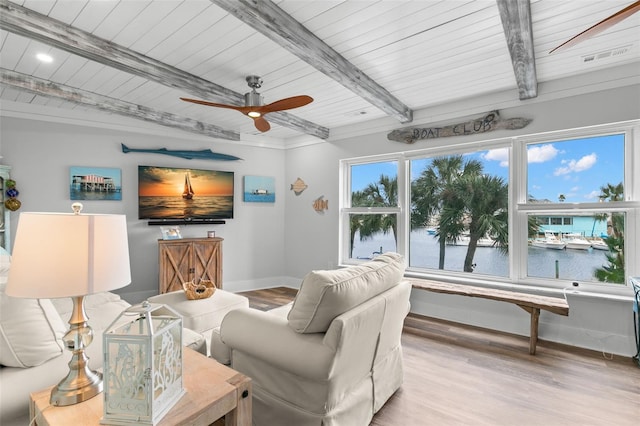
[[95, 183], [179, 193], [259, 189]]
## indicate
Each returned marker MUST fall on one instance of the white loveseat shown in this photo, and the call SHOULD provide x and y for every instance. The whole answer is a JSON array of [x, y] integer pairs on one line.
[[333, 356], [32, 355]]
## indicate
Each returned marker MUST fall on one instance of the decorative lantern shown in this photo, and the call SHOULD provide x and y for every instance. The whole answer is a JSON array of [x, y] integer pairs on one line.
[[142, 365]]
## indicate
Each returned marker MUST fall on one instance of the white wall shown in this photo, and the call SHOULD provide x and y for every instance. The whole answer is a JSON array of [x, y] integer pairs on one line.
[[312, 239], [40, 154]]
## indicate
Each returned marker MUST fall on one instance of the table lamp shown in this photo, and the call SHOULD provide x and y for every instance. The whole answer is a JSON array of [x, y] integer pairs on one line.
[[70, 255]]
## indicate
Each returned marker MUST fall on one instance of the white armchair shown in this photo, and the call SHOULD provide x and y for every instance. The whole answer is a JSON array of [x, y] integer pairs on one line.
[[333, 357]]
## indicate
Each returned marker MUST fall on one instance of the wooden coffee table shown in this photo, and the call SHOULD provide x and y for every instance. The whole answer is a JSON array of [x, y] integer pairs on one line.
[[212, 391]]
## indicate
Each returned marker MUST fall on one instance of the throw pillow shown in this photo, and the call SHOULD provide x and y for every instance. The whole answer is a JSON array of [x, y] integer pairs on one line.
[[324, 295], [30, 331]]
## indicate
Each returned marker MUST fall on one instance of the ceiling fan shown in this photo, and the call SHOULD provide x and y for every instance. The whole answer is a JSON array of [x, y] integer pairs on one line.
[[254, 104], [600, 26]]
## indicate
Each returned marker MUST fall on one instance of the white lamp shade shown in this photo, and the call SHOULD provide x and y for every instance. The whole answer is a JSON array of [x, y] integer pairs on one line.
[[66, 255]]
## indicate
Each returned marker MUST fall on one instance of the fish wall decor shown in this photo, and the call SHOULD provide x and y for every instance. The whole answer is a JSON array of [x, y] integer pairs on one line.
[[298, 186], [320, 204], [204, 154]]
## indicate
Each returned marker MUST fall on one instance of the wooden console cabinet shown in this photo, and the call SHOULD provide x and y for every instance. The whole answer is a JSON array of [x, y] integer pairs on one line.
[[189, 259]]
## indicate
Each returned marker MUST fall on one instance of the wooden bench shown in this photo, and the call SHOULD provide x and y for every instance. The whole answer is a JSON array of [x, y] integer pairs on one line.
[[529, 302]]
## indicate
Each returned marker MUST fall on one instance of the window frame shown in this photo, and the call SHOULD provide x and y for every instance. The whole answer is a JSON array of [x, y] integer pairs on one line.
[[345, 200], [518, 207]]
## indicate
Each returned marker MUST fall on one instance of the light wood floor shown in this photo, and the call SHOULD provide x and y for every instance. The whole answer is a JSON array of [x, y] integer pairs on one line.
[[462, 375]]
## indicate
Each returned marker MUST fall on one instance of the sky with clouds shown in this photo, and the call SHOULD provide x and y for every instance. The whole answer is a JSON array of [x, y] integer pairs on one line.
[[575, 168]]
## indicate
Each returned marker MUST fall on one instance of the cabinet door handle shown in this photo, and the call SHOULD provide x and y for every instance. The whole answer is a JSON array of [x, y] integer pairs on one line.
[[192, 270]]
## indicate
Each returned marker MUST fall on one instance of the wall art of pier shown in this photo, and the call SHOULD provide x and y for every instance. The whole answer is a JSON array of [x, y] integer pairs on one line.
[[94, 183]]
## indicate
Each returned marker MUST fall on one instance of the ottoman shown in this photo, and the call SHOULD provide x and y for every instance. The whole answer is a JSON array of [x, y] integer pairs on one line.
[[202, 315]]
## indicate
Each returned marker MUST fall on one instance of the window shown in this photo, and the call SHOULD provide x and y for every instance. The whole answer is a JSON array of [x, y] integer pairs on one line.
[[374, 199], [578, 179], [459, 210], [543, 211]]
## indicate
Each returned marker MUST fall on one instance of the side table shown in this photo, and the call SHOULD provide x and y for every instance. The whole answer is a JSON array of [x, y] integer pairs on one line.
[[212, 391]]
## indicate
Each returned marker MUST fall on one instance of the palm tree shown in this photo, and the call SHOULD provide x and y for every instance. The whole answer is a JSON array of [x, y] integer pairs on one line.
[[614, 271], [483, 201], [612, 192], [358, 199], [383, 193], [431, 196]]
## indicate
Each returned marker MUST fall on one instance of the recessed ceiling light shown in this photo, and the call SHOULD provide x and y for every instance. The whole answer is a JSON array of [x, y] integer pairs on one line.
[[43, 57], [356, 113]]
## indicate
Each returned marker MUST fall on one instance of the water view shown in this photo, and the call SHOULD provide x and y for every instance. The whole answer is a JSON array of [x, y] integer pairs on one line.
[[204, 207], [77, 194], [424, 253]]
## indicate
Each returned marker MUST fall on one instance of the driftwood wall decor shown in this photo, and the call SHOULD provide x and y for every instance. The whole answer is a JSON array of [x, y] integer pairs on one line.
[[487, 123]]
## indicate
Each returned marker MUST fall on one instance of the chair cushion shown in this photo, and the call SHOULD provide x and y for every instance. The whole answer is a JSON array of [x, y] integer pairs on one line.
[[30, 331], [324, 295]]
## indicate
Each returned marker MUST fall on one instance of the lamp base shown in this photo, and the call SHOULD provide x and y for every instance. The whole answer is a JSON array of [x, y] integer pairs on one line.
[[81, 383]]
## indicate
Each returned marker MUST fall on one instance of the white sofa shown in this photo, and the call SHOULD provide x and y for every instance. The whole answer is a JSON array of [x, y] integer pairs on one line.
[[32, 355], [333, 356]]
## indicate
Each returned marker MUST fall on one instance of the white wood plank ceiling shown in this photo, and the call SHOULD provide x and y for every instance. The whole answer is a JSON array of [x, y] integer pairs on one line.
[[424, 53]]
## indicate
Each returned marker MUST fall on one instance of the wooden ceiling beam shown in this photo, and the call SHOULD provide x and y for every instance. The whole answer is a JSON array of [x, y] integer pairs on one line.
[[266, 17], [33, 25], [516, 21], [84, 98]]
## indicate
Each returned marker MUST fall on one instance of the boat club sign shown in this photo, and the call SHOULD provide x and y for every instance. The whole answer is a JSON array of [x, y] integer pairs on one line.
[[487, 123]]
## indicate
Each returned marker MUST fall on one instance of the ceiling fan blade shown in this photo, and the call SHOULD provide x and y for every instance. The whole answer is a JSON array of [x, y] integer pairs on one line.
[[261, 124], [600, 26], [213, 104], [287, 103]]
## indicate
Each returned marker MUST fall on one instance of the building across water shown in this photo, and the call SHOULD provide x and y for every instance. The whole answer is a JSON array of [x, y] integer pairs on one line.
[[586, 226], [93, 183]]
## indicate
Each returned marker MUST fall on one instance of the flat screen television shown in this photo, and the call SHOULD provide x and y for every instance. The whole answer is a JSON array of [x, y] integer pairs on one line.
[[186, 194]]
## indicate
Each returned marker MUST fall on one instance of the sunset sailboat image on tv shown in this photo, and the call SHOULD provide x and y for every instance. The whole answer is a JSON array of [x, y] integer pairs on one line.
[[187, 194]]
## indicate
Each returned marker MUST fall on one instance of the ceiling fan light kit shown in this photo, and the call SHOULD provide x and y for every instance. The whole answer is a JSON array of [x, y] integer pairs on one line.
[[253, 98], [254, 106]]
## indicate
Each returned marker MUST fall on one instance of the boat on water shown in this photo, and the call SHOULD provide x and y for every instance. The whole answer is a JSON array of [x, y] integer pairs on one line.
[[599, 244], [187, 194], [576, 242], [464, 240], [486, 242], [550, 241]]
